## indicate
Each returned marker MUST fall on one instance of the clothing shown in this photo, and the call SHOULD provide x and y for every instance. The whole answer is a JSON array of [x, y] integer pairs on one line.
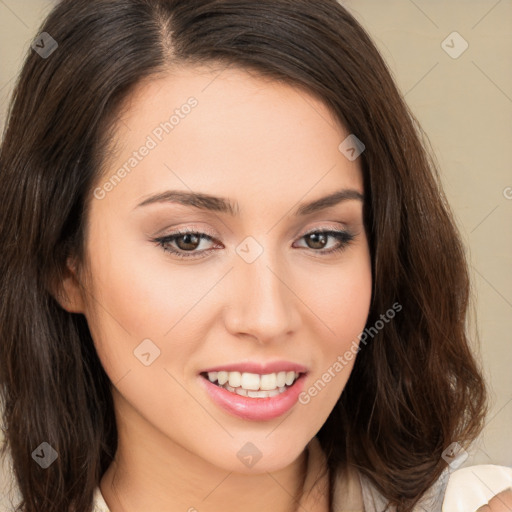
[[351, 493]]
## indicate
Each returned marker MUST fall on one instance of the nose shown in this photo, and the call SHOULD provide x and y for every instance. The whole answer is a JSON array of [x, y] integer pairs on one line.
[[261, 300]]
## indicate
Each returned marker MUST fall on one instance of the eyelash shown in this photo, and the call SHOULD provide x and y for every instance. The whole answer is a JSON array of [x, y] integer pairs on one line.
[[344, 238]]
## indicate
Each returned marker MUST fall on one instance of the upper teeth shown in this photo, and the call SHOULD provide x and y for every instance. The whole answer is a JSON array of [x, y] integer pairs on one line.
[[254, 381]]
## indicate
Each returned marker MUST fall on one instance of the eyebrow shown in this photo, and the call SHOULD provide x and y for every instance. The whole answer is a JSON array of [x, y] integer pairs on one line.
[[223, 205]]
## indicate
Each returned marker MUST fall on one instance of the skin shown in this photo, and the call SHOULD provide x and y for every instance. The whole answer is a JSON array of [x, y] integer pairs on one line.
[[269, 147], [502, 502]]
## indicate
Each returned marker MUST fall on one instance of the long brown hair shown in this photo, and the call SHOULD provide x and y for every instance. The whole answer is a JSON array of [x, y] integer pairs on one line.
[[415, 387]]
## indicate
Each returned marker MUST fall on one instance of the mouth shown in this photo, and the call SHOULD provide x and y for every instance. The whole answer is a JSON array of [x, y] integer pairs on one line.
[[254, 396], [254, 385]]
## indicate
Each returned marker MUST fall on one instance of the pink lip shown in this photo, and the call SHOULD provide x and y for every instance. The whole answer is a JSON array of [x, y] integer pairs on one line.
[[255, 409], [262, 369]]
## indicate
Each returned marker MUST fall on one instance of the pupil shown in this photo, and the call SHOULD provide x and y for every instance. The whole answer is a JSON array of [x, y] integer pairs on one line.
[[188, 242], [318, 236]]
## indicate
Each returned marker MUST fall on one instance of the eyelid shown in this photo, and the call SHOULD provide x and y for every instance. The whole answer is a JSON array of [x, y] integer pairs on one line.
[[187, 229], [323, 228], [213, 234]]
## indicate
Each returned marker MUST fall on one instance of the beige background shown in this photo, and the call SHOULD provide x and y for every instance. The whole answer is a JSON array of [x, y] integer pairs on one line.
[[465, 106]]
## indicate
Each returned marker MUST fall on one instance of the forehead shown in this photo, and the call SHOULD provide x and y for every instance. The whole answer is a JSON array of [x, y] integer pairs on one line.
[[229, 131]]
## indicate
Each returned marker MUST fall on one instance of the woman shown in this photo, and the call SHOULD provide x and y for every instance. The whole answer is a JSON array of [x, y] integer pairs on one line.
[[229, 276]]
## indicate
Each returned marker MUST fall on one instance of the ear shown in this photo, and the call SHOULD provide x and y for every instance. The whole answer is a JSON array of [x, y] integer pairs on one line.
[[69, 291]]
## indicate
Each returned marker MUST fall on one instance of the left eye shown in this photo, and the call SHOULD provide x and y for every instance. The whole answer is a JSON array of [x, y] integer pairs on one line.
[[189, 241]]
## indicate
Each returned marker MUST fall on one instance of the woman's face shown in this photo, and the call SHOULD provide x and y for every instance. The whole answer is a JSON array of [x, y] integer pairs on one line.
[[257, 296]]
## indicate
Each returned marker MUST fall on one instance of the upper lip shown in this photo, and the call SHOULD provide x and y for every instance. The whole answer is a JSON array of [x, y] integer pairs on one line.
[[260, 368]]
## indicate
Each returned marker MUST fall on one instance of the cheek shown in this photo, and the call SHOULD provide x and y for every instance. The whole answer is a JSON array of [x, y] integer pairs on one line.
[[141, 294], [341, 303], [341, 300], [126, 303], [141, 336]]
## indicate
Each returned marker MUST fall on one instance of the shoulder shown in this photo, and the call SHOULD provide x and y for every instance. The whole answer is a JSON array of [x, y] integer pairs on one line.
[[462, 490]]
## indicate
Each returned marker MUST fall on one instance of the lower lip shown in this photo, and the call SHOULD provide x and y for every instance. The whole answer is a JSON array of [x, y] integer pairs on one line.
[[255, 409]]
